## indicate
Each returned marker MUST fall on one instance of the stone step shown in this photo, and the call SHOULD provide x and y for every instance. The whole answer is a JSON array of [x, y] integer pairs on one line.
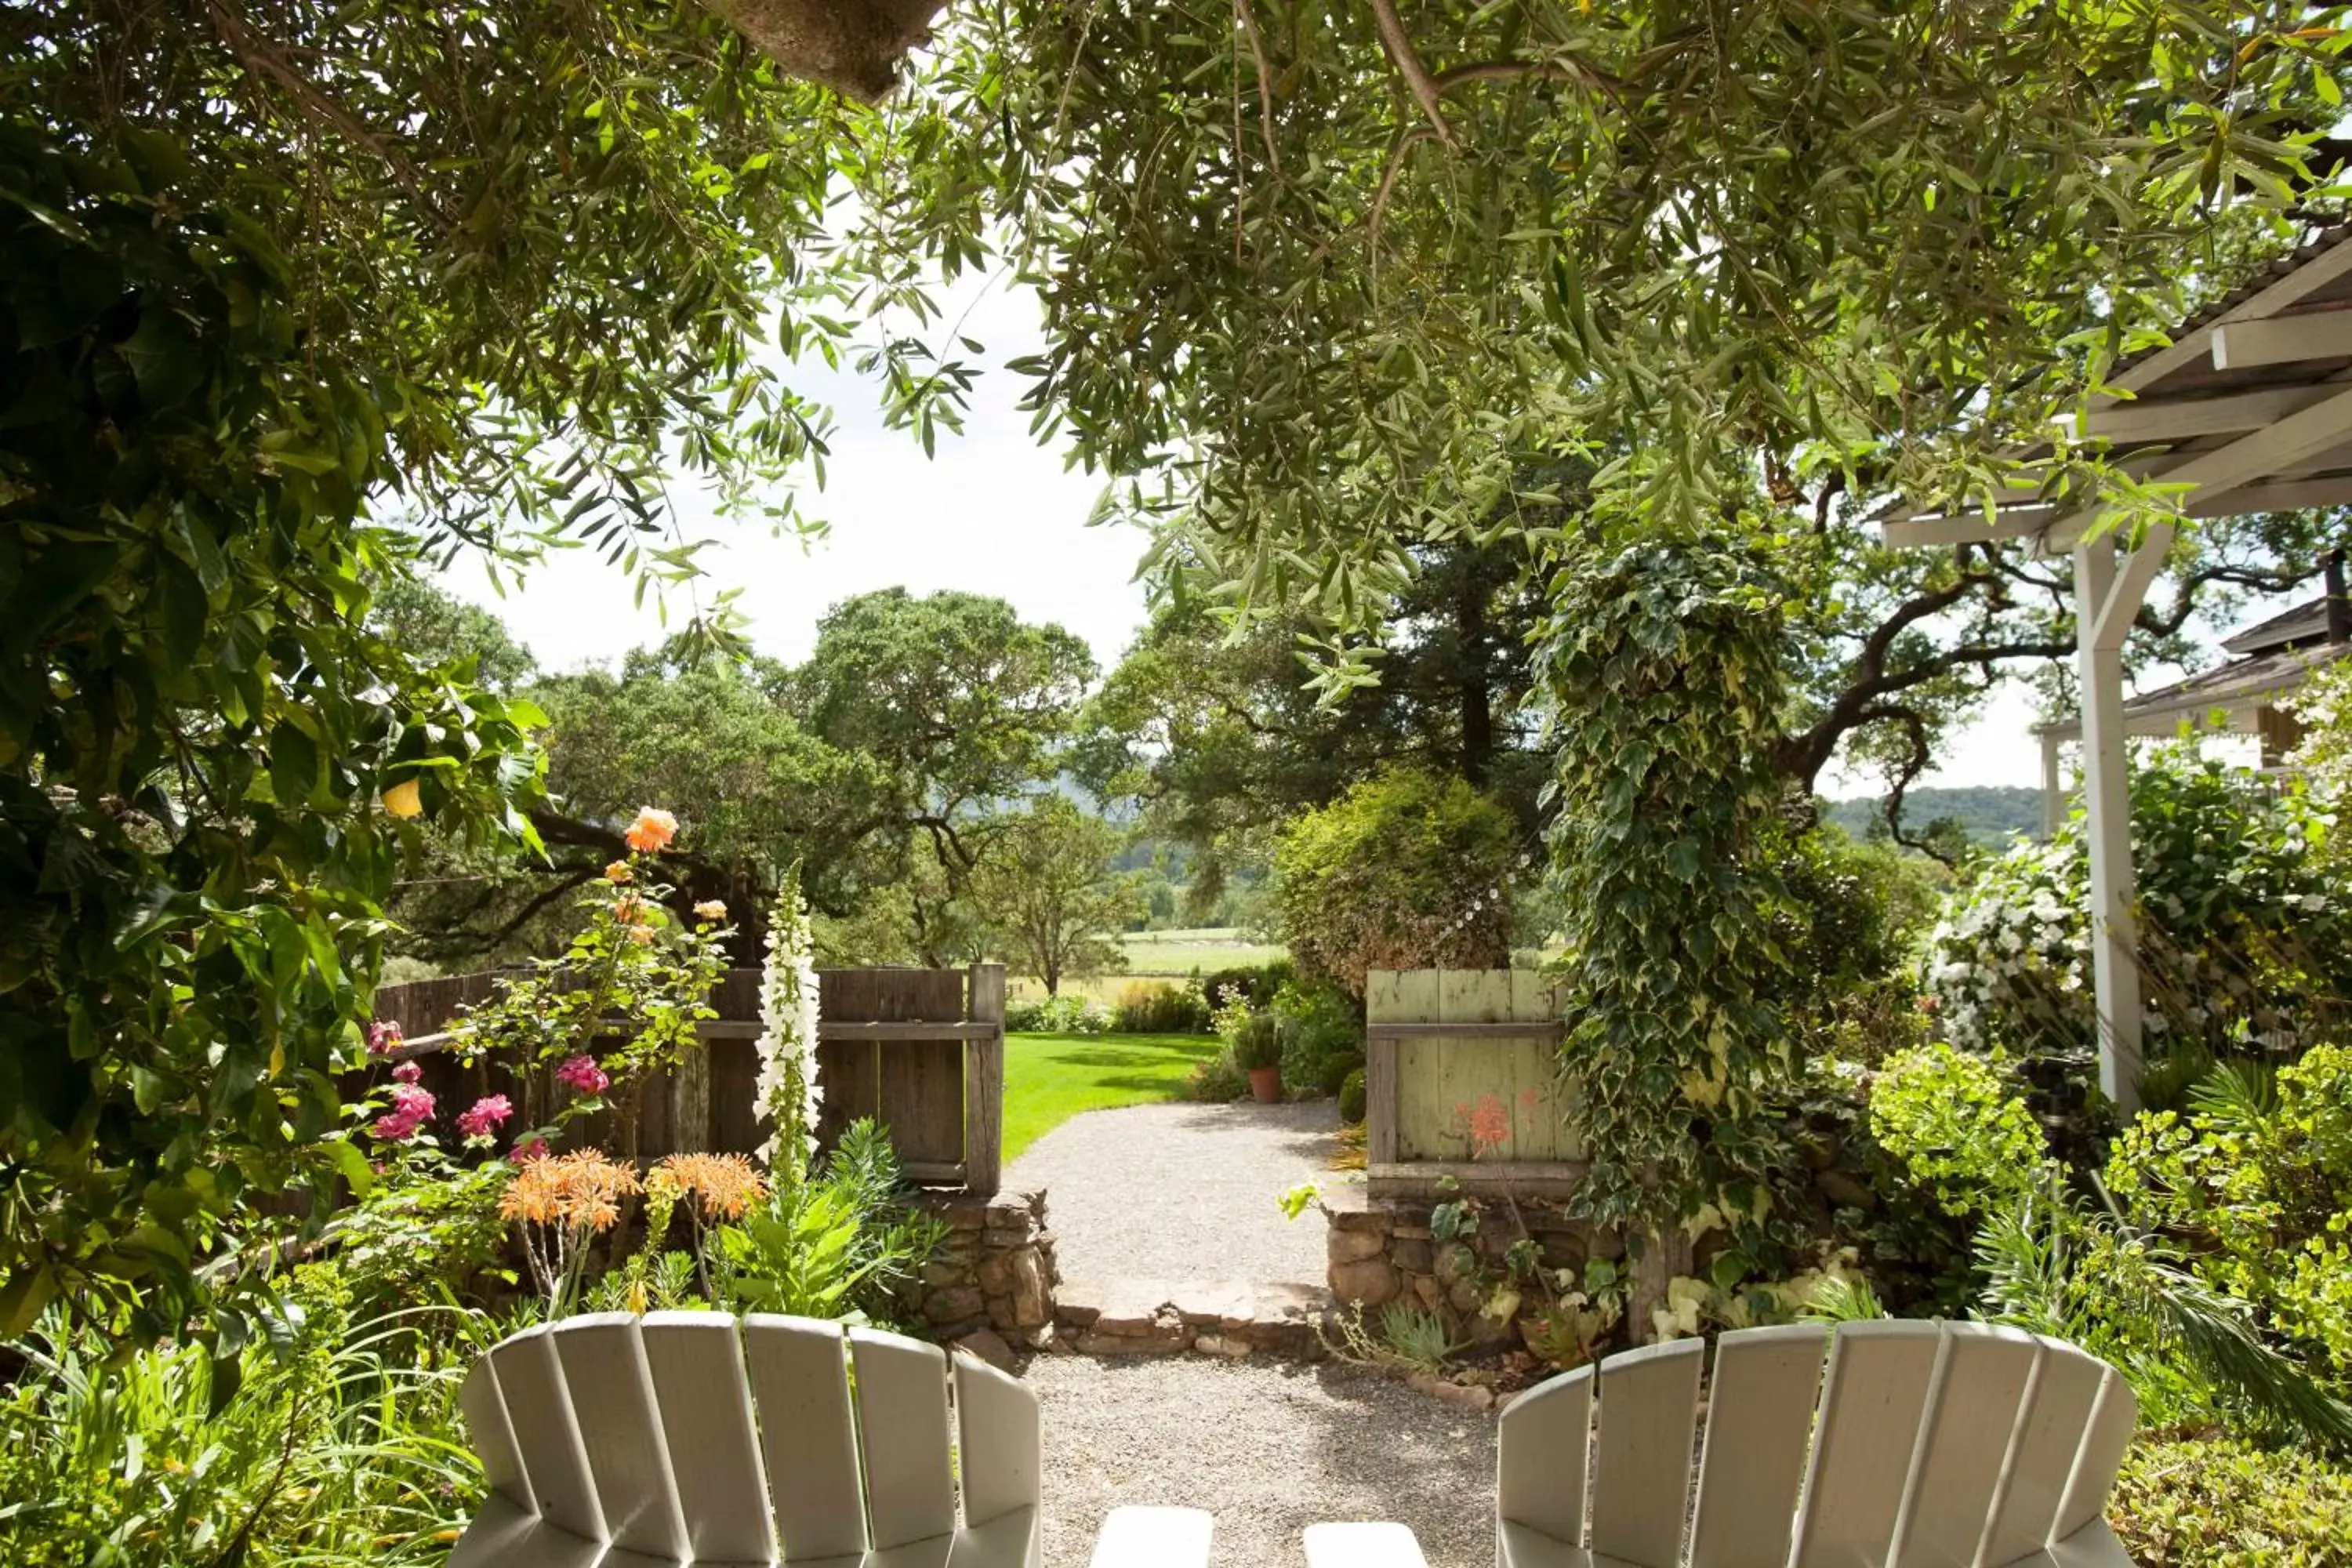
[[1206, 1317]]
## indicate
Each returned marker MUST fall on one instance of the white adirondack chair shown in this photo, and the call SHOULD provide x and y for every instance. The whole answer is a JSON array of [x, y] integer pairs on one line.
[[615, 1441], [1929, 1445]]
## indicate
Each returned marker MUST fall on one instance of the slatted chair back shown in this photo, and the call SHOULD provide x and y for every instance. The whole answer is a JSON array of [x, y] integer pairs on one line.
[[695, 1437], [1926, 1445]]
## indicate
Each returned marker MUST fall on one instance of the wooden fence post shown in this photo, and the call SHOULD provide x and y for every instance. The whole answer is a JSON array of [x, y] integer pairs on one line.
[[983, 1083]]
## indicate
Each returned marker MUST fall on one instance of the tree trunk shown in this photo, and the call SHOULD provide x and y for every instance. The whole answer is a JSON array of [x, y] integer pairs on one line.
[[1663, 1256], [1476, 701]]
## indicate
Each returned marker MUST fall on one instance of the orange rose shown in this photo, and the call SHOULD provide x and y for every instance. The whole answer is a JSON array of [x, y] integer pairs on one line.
[[618, 872], [652, 831], [710, 910]]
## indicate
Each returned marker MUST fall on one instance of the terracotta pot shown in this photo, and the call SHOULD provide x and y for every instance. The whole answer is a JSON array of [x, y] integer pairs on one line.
[[1265, 1085]]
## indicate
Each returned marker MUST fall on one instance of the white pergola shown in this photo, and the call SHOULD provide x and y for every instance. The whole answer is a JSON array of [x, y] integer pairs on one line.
[[2250, 405]]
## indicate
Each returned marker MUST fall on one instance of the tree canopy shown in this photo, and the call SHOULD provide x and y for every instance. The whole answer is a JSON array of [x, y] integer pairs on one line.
[[1324, 281]]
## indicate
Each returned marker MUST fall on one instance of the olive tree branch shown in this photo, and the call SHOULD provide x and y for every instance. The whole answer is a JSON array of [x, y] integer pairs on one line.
[[1398, 44]]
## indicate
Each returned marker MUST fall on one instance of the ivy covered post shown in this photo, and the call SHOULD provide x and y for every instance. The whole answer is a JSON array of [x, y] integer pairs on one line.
[[1662, 668], [787, 1086]]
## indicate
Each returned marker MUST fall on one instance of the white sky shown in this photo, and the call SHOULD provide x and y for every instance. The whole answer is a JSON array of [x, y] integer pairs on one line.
[[994, 513]]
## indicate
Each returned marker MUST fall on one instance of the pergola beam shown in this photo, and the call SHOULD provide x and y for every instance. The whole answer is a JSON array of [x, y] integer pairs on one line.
[[2284, 495], [2283, 339], [2185, 418], [2302, 279]]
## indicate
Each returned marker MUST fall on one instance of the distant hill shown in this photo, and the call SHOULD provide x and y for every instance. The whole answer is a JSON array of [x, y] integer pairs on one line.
[[1989, 815]]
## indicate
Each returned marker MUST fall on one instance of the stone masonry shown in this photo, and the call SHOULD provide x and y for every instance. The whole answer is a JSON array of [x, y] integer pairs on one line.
[[1381, 1249], [994, 1272]]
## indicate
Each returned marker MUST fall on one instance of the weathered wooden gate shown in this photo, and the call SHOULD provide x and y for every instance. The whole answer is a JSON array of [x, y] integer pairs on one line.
[[919, 1050], [1463, 1084]]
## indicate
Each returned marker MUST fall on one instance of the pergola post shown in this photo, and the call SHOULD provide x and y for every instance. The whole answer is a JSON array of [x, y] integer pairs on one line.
[[2054, 788], [2107, 798]]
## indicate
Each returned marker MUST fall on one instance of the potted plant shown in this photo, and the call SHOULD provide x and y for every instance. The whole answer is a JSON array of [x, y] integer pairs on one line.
[[1258, 1051]]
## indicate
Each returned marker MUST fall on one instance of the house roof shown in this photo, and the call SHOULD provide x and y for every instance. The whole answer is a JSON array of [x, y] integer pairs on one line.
[[2304, 622], [2233, 693]]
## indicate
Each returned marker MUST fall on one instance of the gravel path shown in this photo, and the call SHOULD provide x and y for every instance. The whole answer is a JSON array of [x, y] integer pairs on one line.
[[1268, 1447], [1183, 1192]]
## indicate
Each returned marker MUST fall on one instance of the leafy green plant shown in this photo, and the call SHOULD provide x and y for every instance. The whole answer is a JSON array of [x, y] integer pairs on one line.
[[1352, 1098], [1218, 1080], [1159, 1008], [1953, 1124], [1322, 1037], [2254, 1185], [1841, 1298], [1254, 984], [330, 1440], [1662, 665], [2219, 1502], [2246, 935], [1416, 1337], [1257, 1042], [842, 1245], [1068, 1014]]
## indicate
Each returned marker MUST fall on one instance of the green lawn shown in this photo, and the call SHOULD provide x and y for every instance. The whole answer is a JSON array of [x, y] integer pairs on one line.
[[1048, 1078]]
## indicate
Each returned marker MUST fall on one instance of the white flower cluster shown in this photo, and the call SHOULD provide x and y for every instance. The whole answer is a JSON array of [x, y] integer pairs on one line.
[[2013, 945], [787, 1088]]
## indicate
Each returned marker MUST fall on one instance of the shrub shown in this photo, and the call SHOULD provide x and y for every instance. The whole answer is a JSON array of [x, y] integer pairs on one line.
[[1217, 1080], [1068, 1013], [1257, 1042], [1162, 1009], [2256, 1181], [2220, 1503], [2246, 940], [1352, 1099], [327, 1441], [1954, 1127], [1255, 983], [1851, 927], [1406, 870], [1322, 1037]]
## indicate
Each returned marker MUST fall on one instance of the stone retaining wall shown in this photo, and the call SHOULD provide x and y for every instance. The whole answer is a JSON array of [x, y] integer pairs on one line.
[[995, 1270], [1382, 1250]]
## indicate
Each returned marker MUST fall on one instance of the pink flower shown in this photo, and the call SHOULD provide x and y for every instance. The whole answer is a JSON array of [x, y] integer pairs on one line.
[[524, 1153], [583, 1074], [411, 1108], [488, 1113], [383, 1038], [408, 1072]]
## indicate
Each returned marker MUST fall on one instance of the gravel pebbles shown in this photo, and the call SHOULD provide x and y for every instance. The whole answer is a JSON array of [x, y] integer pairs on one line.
[[1188, 1193], [1184, 1192], [1268, 1447]]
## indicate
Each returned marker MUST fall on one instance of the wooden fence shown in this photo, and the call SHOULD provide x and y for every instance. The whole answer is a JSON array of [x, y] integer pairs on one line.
[[1461, 1083], [919, 1050]]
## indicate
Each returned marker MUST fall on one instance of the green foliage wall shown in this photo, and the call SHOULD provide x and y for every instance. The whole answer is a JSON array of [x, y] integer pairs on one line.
[[1662, 664]]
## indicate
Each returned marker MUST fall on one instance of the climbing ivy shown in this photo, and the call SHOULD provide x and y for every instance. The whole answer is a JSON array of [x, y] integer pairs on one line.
[[1661, 668]]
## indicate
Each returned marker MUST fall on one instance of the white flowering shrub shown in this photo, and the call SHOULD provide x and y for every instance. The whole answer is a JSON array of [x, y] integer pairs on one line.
[[2010, 962], [787, 1088], [2245, 933]]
